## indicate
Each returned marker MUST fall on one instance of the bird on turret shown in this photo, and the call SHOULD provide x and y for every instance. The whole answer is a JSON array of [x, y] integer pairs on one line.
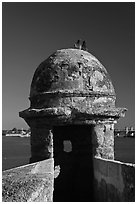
[[84, 46], [77, 45]]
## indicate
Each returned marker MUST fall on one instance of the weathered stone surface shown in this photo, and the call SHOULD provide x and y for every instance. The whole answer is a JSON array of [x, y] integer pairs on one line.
[[30, 183], [114, 181], [103, 140], [128, 174], [53, 115], [41, 143], [71, 78], [70, 69]]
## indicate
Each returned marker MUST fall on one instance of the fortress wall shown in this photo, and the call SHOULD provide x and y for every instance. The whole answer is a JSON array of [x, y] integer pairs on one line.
[[114, 180], [29, 183]]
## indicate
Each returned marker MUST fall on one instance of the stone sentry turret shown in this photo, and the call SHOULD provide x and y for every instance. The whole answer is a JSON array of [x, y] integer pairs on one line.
[[71, 91], [71, 87], [72, 102]]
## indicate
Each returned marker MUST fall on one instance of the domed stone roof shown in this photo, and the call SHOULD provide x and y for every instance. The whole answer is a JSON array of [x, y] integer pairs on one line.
[[71, 70], [72, 85]]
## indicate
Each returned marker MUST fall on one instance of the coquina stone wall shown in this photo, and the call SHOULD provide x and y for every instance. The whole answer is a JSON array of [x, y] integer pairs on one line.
[[114, 181], [29, 183]]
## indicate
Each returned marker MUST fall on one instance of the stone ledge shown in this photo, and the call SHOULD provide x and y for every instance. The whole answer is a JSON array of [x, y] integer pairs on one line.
[[29, 183], [67, 112]]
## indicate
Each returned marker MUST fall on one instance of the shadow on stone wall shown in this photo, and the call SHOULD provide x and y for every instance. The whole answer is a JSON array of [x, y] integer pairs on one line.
[[114, 181]]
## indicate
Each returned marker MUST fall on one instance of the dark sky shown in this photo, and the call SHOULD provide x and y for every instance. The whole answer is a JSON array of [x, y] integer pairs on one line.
[[33, 31]]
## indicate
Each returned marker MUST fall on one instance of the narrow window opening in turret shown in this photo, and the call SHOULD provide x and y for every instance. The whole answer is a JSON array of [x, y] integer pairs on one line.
[[67, 146]]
